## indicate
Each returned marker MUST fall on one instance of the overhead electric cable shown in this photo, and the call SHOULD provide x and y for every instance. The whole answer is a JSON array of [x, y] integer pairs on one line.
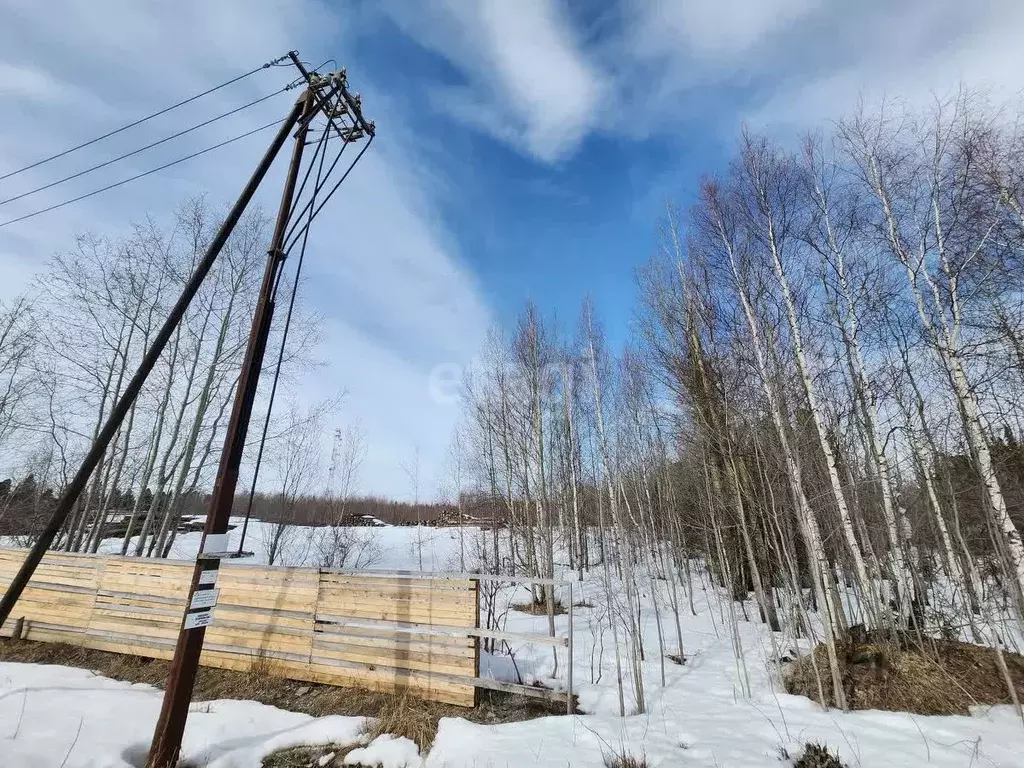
[[140, 175], [330, 194], [141, 120], [148, 146], [322, 154]]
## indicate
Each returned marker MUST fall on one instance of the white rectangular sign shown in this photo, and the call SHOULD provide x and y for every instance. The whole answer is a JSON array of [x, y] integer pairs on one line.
[[204, 598], [215, 543], [208, 576], [199, 619]]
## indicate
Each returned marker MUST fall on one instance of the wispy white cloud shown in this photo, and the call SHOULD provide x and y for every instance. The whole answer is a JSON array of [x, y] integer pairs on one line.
[[528, 81], [720, 34], [922, 51], [789, 64]]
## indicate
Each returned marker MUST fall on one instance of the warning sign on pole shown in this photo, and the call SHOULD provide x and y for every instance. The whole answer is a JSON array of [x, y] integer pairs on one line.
[[199, 619], [204, 598]]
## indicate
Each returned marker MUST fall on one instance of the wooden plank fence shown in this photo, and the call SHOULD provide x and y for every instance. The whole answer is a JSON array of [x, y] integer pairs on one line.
[[376, 631]]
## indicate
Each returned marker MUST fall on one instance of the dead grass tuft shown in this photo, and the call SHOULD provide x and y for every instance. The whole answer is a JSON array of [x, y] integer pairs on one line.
[[403, 715], [309, 757], [817, 756], [539, 608], [613, 760], [900, 674]]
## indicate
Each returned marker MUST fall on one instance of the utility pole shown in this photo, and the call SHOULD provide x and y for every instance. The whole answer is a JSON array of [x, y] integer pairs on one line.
[[170, 725], [327, 96]]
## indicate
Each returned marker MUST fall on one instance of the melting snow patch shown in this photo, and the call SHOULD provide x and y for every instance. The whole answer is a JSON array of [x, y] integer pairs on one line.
[[386, 751]]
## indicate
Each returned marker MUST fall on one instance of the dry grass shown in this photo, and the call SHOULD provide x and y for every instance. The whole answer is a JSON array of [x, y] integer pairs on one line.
[[401, 714], [817, 756], [613, 760], [539, 608], [304, 757], [936, 677]]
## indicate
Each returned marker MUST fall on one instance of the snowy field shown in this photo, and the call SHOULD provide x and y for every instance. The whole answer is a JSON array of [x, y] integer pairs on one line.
[[712, 711]]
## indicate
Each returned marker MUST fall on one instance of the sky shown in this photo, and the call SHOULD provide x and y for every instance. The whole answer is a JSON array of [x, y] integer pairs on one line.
[[525, 150]]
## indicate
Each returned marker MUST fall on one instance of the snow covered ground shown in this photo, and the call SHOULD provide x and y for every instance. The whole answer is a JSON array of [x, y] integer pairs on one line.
[[702, 716]]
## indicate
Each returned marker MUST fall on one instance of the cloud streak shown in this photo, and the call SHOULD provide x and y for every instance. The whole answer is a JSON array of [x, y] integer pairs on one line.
[[527, 80]]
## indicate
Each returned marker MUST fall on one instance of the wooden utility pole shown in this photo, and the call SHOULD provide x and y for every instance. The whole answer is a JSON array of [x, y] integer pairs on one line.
[[170, 725]]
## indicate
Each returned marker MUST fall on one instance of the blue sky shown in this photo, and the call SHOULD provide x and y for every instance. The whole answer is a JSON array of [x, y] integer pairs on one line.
[[525, 148]]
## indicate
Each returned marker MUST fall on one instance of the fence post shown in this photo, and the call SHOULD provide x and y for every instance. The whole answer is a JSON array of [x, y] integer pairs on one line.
[[568, 699], [476, 640]]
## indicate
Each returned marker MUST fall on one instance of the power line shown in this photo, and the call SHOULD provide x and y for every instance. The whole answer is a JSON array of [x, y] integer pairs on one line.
[[148, 146], [330, 194], [141, 120], [322, 154], [140, 175]]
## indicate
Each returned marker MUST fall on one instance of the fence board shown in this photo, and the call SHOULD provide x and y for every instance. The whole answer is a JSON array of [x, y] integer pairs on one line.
[[302, 623]]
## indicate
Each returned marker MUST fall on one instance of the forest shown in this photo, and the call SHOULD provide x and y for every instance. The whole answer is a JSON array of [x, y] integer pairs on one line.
[[820, 395]]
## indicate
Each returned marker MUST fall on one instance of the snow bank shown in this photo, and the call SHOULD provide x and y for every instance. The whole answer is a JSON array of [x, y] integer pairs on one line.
[[53, 715]]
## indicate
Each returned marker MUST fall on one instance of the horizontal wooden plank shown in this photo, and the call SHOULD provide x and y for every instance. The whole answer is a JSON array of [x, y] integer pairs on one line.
[[462, 603], [270, 574], [108, 613], [352, 581], [104, 596], [422, 662], [448, 693], [245, 615], [128, 567], [269, 599], [107, 601], [57, 599], [531, 691], [399, 643], [52, 634], [31, 626], [377, 592], [276, 667], [141, 627], [50, 589], [142, 583], [62, 580], [252, 641], [71, 619], [64, 570], [144, 647], [395, 646], [424, 614], [70, 603], [238, 566]]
